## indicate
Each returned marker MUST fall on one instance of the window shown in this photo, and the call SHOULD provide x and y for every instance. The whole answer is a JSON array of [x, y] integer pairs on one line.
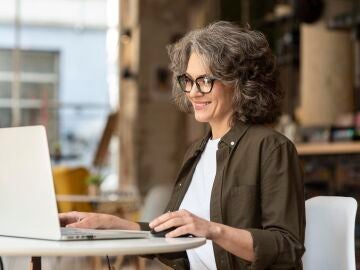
[[38, 90], [68, 71]]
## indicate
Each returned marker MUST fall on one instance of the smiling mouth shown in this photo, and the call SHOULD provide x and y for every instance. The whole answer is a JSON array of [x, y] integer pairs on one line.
[[200, 105]]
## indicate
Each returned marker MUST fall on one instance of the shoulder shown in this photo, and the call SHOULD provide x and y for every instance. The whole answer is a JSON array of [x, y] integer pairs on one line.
[[266, 138], [266, 134]]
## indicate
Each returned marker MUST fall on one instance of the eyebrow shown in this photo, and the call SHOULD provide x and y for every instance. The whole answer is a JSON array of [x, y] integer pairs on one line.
[[191, 77]]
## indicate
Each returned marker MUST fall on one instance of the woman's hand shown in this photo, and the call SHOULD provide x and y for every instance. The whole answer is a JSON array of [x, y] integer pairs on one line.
[[95, 221], [185, 223]]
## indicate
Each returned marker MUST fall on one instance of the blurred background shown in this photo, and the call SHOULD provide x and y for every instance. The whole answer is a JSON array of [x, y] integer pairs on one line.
[[95, 74]]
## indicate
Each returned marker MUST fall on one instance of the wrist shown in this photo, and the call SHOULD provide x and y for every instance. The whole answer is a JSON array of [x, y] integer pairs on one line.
[[114, 222], [215, 231], [127, 224], [135, 226]]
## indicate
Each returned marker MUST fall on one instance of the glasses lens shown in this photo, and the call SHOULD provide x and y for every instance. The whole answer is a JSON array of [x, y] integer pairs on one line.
[[205, 84], [185, 83]]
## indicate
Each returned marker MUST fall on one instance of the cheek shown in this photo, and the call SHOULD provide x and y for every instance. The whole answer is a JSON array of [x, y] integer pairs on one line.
[[226, 103], [229, 97], [230, 101], [187, 97], [224, 95]]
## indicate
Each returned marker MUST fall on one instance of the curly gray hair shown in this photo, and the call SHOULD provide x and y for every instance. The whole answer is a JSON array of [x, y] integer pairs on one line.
[[239, 57]]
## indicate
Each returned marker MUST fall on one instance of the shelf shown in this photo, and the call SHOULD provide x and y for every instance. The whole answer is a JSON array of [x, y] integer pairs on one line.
[[338, 148], [272, 19], [344, 22]]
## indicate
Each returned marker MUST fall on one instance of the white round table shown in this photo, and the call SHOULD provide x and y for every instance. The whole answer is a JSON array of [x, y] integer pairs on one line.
[[12, 246]]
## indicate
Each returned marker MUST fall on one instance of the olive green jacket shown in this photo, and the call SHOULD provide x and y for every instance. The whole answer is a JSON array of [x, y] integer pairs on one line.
[[258, 187]]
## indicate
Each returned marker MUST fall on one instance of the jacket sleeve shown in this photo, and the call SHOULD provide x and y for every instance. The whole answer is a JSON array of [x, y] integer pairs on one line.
[[279, 244], [144, 226]]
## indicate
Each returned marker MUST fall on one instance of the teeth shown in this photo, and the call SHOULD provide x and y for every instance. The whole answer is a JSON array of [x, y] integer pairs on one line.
[[201, 105]]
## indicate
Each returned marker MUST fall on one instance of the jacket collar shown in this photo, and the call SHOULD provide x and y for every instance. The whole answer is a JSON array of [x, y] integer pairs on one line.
[[230, 139]]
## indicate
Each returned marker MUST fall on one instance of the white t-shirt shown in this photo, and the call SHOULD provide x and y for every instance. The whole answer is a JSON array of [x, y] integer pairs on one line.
[[197, 201]]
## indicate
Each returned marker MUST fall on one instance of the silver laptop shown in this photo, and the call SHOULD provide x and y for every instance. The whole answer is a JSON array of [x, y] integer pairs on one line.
[[27, 197]]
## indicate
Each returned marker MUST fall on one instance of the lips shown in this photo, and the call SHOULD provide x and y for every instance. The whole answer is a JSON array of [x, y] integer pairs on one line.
[[201, 105]]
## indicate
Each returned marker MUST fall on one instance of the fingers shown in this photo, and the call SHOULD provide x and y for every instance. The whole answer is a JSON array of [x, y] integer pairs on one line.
[[182, 220], [159, 220], [179, 231], [70, 217], [85, 223], [167, 216], [174, 222], [92, 221], [184, 223]]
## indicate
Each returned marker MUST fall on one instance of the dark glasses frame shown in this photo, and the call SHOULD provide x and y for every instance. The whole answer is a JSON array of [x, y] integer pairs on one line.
[[196, 81]]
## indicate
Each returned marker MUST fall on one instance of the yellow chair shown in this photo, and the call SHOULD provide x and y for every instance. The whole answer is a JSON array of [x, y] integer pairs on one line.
[[71, 181]]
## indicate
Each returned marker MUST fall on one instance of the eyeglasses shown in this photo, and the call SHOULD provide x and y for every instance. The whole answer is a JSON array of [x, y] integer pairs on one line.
[[203, 83]]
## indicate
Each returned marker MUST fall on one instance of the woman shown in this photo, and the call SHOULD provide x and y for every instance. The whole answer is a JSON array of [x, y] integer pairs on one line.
[[240, 186]]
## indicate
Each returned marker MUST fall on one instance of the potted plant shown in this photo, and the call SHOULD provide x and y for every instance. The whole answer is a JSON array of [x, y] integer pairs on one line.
[[93, 181]]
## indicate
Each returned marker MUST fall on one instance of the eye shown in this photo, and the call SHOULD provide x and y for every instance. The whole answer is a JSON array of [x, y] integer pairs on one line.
[[185, 83], [206, 80], [186, 79]]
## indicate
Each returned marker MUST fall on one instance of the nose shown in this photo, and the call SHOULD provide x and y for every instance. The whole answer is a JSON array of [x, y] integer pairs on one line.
[[195, 91]]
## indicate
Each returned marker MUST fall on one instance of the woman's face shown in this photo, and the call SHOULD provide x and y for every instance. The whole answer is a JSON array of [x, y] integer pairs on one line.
[[214, 107]]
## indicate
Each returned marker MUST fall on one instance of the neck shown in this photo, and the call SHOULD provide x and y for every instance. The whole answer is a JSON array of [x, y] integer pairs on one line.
[[219, 129]]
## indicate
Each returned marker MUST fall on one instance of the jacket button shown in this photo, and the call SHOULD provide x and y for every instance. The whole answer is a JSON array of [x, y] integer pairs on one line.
[[180, 185], [232, 143]]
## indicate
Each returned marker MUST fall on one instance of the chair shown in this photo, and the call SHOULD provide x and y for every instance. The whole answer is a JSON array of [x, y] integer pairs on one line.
[[71, 181], [155, 202], [329, 233]]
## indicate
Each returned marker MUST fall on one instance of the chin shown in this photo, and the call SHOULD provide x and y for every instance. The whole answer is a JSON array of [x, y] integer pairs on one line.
[[202, 118]]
